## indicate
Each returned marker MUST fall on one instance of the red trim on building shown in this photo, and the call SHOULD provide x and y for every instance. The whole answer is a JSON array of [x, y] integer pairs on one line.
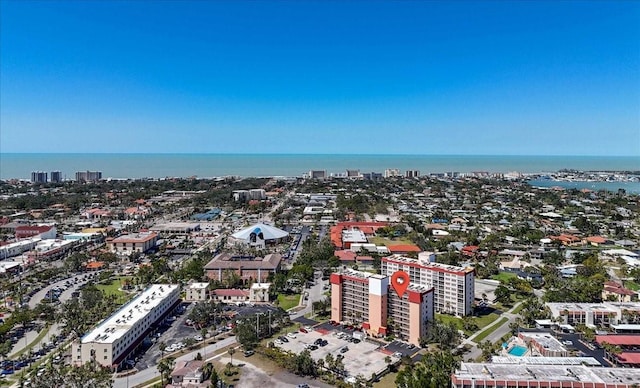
[[335, 278], [431, 268], [414, 296]]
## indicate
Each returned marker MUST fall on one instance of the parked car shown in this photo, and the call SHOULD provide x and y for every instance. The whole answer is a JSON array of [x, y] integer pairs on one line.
[[344, 349], [249, 353]]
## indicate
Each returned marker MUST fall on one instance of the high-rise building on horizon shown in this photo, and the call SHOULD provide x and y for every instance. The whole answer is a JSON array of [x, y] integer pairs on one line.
[[88, 176], [56, 177], [392, 172], [38, 177]]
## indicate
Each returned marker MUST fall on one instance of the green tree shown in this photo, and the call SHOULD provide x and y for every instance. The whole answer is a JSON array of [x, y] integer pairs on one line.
[[432, 371], [503, 295], [304, 364], [231, 353], [165, 367]]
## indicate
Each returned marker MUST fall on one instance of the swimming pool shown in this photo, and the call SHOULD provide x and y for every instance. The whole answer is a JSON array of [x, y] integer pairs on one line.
[[518, 351]]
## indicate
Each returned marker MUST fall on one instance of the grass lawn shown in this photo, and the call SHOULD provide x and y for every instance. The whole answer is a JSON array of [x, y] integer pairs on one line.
[[288, 301], [387, 381], [444, 318], [485, 320], [385, 241], [490, 330], [518, 309], [630, 284], [114, 289], [504, 276]]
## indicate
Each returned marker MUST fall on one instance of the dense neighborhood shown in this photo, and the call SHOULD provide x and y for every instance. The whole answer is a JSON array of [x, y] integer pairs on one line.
[[291, 281]]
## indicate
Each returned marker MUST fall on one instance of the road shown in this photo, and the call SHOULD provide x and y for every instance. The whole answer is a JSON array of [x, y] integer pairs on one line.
[[152, 373], [316, 293], [498, 333]]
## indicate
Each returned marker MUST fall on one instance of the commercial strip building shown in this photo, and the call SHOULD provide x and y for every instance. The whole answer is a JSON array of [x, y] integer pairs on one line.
[[453, 287], [113, 340], [129, 243], [368, 299], [595, 314], [481, 375], [170, 228]]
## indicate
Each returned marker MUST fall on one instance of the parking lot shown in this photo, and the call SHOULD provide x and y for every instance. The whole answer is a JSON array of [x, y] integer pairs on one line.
[[363, 358]]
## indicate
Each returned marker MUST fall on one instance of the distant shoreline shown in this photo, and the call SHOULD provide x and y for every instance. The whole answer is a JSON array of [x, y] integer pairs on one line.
[[162, 165]]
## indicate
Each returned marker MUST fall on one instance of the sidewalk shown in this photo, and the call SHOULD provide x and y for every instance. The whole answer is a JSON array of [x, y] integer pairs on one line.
[[508, 314]]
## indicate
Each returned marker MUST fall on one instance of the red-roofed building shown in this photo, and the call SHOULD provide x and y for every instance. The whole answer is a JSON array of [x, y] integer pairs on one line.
[[596, 240], [403, 248], [349, 257], [230, 295], [615, 292], [345, 256], [368, 228], [567, 239], [629, 359], [470, 250], [624, 341], [43, 231]]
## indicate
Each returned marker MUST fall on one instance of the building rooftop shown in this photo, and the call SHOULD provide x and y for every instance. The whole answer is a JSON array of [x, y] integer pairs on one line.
[[611, 307], [479, 372], [228, 261], [135, 237], [546, 340], [545, 360], [126, 316], [427, 264], [198, 286], [353, 236], [171, 226], [616, 339]]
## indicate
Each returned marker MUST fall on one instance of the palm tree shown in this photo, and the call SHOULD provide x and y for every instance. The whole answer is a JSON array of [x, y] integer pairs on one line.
[[231, 352], [162, 346], [203, 333]]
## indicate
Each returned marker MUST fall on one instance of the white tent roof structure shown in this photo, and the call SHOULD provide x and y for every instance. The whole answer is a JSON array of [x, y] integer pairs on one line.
[[268, 232]]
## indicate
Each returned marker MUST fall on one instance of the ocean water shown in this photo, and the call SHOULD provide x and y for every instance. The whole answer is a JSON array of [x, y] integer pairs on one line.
[[20, 165], [629, 187]]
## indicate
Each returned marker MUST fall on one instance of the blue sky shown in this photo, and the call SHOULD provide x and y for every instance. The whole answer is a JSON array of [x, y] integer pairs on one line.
[[515, 78]]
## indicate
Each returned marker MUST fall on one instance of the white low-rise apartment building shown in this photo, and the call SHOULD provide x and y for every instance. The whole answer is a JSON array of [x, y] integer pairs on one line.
[[453, 287], [111, 342], [197, 292]]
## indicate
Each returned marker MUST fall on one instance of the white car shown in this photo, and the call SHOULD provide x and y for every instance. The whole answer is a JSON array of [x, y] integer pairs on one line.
[[198, 337], [291, 335], [308, 328], [278, 342]]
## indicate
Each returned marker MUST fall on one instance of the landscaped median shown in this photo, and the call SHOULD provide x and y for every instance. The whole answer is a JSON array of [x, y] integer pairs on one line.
[[484, 334]]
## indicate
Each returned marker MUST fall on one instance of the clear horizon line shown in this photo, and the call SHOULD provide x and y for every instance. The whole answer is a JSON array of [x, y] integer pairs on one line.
[[308, 153]]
